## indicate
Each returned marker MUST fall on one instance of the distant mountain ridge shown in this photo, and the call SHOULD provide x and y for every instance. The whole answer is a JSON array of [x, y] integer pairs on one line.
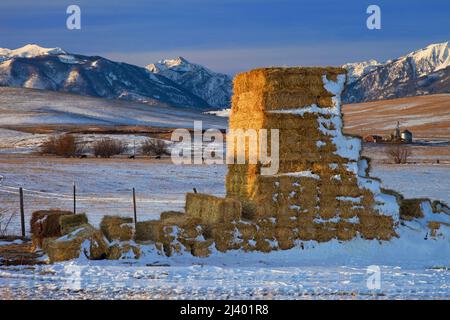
[[28, 51], [215, 88], [422, 72], [54, 69], [180, 83]]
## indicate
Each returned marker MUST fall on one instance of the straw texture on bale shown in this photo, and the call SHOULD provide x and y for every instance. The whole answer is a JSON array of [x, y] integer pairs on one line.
[[69, 246], [314, 196], [117, 228], [123, 250], [411, 209], [148, 230], [211, 210], [304, 147], [70, 222], [46, 224]]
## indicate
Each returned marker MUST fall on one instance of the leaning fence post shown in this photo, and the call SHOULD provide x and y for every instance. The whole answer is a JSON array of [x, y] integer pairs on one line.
[[74, 199], [22, 212], [134, 207]]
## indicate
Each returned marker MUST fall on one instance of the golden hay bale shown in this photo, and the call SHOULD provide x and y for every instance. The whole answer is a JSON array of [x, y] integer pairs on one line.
[[249, 209], [98, 246], [276, 79], [150, 230], [439, 206], [325, 231], [346, 231], [45, 242], [306, 230], [201, 248], [124, 251], [172, 216], [411, 208], [284, 233], [376, 227], [46, 224], [247, 230], [263, 245], [435, 226], [223, 236], [117, 228], [69, 246], [69, 222], [211, 210]]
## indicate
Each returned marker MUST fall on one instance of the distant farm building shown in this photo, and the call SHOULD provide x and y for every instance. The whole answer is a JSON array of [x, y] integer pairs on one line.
[[373, 138], [398, 136], [406, 136]]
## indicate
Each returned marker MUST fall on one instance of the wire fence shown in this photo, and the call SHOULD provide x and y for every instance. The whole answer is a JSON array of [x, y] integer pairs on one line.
[[29, 200]]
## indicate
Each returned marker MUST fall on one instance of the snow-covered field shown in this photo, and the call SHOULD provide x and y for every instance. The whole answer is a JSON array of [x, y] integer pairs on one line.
[[25, 107], [104, 186], [410, 267], [78, 281]]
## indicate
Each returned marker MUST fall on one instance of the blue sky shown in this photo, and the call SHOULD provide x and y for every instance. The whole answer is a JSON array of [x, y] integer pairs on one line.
[[228, 35]]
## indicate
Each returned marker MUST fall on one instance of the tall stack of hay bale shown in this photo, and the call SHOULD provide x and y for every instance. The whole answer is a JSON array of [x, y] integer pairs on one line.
[[322, 189]]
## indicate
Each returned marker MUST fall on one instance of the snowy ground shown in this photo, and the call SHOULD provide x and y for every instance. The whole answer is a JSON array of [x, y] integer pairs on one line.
[[25, 107], [103, 186], [409, 268], [214, 282]]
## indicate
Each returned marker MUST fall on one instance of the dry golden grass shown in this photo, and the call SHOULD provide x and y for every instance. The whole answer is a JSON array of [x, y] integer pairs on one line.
[[429, 116]]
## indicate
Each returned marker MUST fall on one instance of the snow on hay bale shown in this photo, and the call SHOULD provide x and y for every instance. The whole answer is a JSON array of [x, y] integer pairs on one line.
[[435, 216], [322, 190], [411, 208], [175, 233], [123, 250], [117, 228], [322, 181], [84, 240], [46, 224], [70, 222]]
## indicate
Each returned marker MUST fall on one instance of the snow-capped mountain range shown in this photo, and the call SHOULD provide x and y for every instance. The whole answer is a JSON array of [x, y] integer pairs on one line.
[[215, 88], [181, 83], [425, 71], [358, 69], [28, 51], [54, 69]]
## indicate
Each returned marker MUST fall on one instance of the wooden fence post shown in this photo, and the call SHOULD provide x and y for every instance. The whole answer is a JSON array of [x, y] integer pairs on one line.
[[74, 199], [134, 207], [22, 212]]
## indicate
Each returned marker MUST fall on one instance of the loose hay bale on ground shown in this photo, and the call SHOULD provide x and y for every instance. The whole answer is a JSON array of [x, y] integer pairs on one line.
[[411, 208], [201, 248], [211, 210], [175, 217], [69, 246], [117, 228], [69, 222], [150, 230], [124, 251], [46, 224]]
